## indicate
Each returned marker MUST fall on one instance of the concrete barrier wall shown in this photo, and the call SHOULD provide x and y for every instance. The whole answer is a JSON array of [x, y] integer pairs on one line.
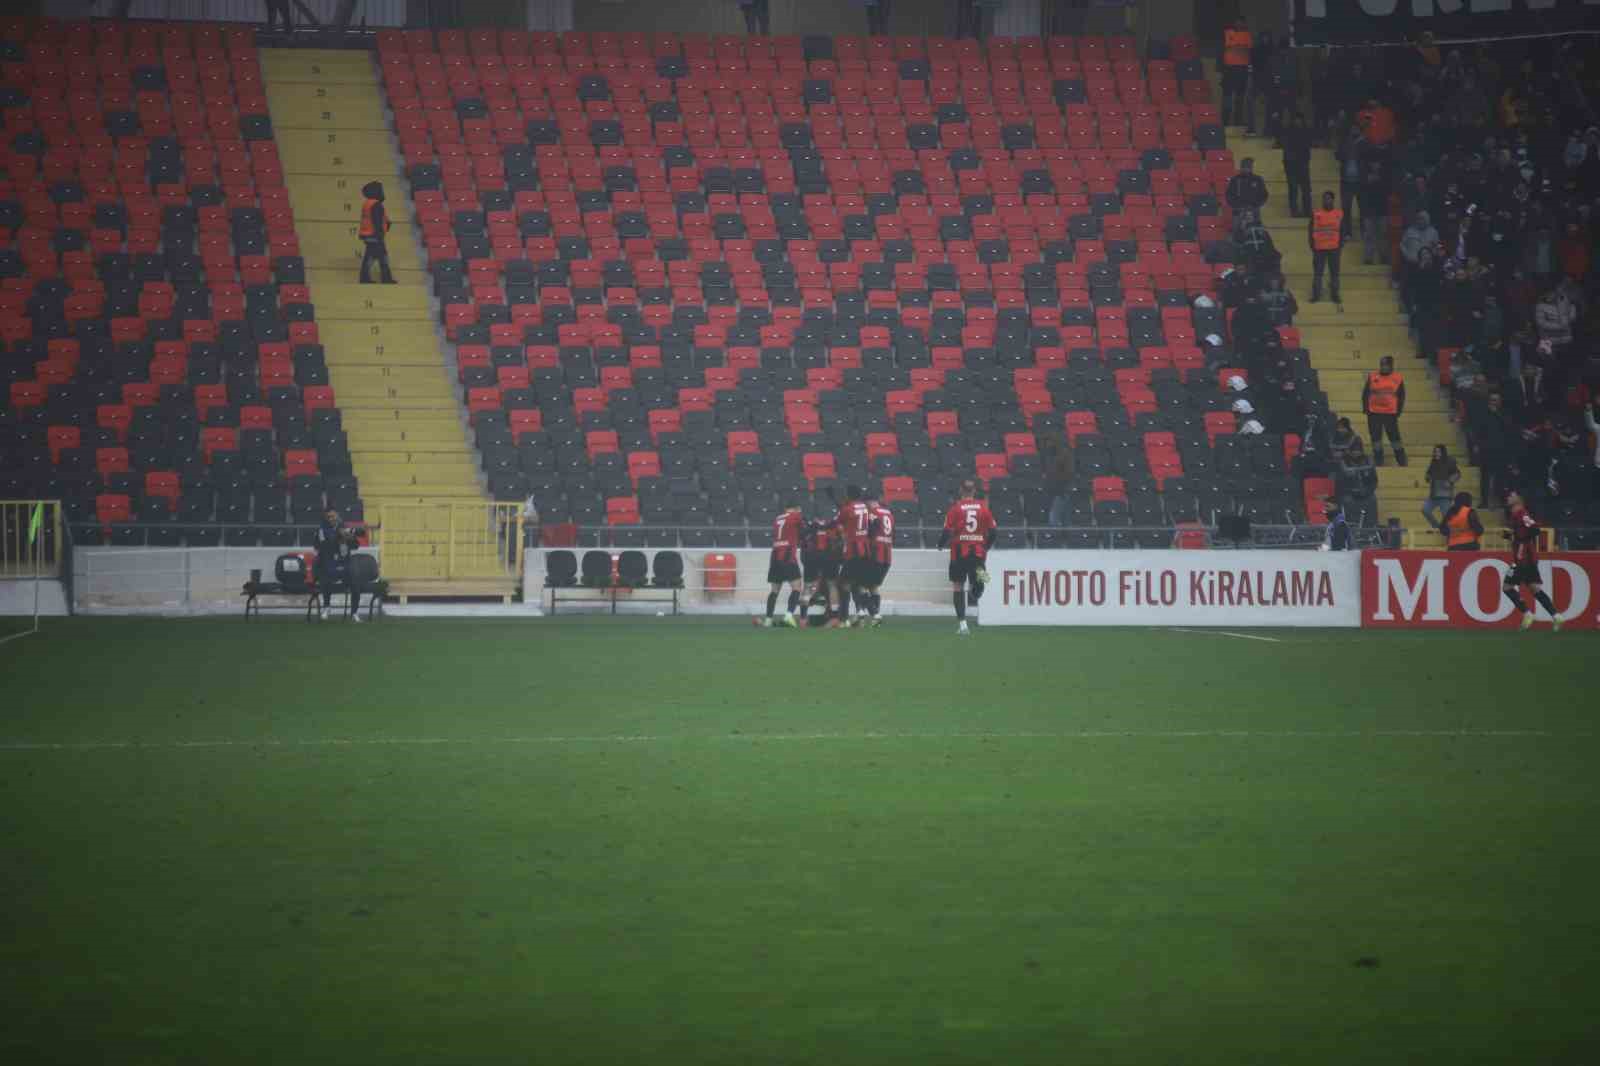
[[917, 584], [173, 581], [17, 598]]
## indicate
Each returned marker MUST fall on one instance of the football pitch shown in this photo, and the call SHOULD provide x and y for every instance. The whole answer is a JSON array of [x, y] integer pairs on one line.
[[684, 841]]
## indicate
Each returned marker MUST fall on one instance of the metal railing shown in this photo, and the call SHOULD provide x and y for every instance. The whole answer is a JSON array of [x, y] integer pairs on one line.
[[735, 535], [492, 544], [450, 541]]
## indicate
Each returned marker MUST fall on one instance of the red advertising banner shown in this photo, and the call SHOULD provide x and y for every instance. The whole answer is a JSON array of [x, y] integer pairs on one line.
[[1462, 590]]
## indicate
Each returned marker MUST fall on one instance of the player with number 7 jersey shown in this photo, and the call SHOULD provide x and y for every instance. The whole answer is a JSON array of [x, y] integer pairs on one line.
[[969, 530]]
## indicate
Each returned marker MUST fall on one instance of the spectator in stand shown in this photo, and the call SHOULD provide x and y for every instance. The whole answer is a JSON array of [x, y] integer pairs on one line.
[[878, 17], [279, 10], [1377, 122], [1418, 236], [1282, 410], [1374, 197], [1262, 55], [1282, 89], [1351, 157], [1420, 290], [1573, 253], [1415, 197], [1554, 317], [1461, 527], [1342, 439], [1058, 480], [1489, 430], [1279, 302], [530, 522], [757, 16], [1591, 422], [1236, 45], [1246, 190], [1443, 473], [975, 18], [1295, 137], [1357, 478], [1525, 395], [1338, 537]]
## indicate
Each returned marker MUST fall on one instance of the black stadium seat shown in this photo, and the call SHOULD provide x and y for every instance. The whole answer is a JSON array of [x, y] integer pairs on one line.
[[560, 569], [597, 569]]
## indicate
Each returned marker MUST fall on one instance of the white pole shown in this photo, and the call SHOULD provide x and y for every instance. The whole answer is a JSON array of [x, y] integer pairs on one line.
[[36, 575]]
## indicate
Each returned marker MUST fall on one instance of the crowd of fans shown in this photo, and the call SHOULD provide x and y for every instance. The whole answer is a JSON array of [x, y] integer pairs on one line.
[[1488, 154]]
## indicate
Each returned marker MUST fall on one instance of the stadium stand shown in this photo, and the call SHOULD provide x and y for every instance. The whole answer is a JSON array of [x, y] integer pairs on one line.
[[163, 371], [688, 276]]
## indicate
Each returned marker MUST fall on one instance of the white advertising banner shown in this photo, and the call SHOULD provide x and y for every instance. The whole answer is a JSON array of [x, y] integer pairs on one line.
[[1229, 589]]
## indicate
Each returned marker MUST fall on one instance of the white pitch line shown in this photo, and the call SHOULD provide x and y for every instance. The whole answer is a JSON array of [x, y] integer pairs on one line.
[[1165, 734], [1227, 633]]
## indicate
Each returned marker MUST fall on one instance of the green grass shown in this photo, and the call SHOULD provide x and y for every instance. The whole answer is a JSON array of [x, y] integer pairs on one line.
[[686, 842]]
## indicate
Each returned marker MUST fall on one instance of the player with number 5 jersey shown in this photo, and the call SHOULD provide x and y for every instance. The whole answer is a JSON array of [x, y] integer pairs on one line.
[[969, 530]]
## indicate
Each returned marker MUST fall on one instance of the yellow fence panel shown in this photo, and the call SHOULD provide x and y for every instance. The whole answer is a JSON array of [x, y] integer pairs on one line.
[[23, 554], [451, 541]]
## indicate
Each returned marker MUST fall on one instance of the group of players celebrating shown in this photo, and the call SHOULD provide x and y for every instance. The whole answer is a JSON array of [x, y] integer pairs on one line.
[[842, 561]]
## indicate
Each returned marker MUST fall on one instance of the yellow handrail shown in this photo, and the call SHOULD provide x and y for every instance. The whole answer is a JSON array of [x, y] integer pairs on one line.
[[22, 555], [450, 540]]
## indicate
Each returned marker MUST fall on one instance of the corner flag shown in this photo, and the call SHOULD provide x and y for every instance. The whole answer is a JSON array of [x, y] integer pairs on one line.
[[35, 522]]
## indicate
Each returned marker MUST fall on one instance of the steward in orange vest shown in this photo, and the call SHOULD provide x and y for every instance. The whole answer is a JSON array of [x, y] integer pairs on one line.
[[1384, 399], [374, 226], [1461, 526], [1236, 42], [1236, 45], [1325, 234]]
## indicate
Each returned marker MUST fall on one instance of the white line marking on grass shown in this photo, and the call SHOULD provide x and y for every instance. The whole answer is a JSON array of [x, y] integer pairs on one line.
[[1227, 633], [756, 738]]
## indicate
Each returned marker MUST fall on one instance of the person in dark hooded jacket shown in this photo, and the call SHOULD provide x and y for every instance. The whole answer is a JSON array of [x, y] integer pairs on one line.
[[373, 229]]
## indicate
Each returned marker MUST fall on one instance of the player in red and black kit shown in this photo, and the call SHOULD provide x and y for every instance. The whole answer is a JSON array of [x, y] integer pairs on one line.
[[854, 523], [881, 555], [783, 566], [969, 530], [819, 555], [1524, 534]]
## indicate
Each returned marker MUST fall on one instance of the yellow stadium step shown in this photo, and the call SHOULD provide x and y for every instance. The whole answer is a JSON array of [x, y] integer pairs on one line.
[[317, 66], [334, 198], [402, 437], [1346, 341], [331, 245], [378, 336], [386, 359], [338, 300], [365, 154], [310, 106]]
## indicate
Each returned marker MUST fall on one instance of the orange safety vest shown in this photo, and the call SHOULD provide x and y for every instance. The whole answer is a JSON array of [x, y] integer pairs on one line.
[[368, 230], [1460, 527], [1378, 123], [1385, 397], [1325, 227], [1236, 48]]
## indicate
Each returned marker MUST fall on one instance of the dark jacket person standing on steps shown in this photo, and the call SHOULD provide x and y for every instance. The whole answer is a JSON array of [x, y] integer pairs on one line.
[[374, 227], [1296, 141]]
